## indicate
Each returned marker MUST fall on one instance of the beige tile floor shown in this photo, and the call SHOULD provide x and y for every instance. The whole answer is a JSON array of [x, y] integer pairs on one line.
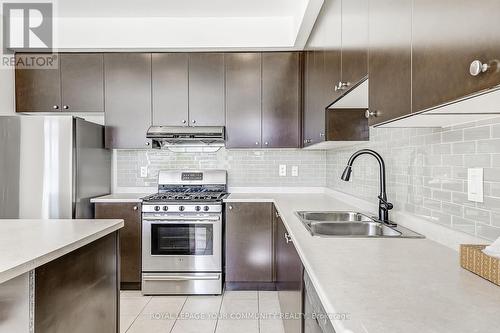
[[234, 311]]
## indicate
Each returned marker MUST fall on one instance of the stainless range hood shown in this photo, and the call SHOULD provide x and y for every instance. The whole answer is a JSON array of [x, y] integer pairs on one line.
[[177, 138]]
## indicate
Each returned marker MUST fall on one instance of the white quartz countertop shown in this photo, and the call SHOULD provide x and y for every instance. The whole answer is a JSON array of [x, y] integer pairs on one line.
[[386, 285], [27, 244], [120, 197]]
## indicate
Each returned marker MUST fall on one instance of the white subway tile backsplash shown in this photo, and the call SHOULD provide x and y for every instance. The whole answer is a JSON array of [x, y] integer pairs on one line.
[[477, 133], [464, 147], [488, 146], [452, 136], [245, 167], [432, 166], [426, 171]]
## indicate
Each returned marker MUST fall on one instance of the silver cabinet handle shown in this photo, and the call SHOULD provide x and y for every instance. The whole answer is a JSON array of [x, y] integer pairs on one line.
[[55, 107], [307, 141], [180, 278], [477, 67], [256, 143], [135, 208], [288, 239], [230, 207], [184, 121], [369, 114], [277, 214], [148, 143], [266, 143], [194, 121], [342, 86], [321, 134], [65, 107]]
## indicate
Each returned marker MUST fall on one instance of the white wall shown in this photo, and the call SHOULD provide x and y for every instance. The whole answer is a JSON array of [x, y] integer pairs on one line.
[[7, 106]]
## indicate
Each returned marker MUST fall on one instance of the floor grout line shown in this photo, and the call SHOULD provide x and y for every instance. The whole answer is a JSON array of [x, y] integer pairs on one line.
[[177, 317], [258, 309], [150, 298], [220, 308]]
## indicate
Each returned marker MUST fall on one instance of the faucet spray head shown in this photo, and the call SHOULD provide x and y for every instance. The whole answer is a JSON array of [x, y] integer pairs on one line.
[[346, 175]]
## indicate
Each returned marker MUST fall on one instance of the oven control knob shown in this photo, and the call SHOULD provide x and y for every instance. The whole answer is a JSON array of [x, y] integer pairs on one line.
[[157, 208], [165, 208], [181, 208], [197, 208], [206, 208]]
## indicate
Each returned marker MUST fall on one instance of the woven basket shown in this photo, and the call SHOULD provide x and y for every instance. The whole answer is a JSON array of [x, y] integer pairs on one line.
[[474, 260]]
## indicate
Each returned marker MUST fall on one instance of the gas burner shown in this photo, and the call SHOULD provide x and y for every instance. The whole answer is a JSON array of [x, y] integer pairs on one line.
[[185, 196], [189, 186]]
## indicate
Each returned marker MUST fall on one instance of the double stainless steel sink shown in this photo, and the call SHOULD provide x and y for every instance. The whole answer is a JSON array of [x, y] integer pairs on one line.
[[350, 224]]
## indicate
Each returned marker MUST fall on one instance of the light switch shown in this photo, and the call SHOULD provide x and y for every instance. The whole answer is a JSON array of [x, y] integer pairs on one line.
[[282, 171], [295, 171], [144, 172], [475, 184]]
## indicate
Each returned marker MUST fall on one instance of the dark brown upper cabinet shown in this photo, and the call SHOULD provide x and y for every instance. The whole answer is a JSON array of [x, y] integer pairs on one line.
[[448, 35], [281, 93], [82, 82], [354, 42], [243, 100], [389, 63], [38, 90], [76, 84], [321, 73], [206, 89], [314, 101], [347, 125], [128, 99], [170, 89], [249, 234]]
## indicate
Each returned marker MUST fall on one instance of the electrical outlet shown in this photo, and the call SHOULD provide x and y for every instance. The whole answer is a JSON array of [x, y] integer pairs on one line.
[[475, 184], [295, 171], [144, 172], [282, 170]]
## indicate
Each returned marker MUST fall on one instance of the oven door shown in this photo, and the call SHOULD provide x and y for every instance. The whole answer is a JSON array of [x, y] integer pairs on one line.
[[181, 243]]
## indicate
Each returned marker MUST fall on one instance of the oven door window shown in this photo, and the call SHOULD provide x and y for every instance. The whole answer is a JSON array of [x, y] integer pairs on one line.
[[182, 239]]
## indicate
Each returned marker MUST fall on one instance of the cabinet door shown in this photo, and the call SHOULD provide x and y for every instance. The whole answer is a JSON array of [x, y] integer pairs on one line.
[[128, 99], [243, 100], [390, 59], [38, 90], [447, 36], [82, 82], [281, 100], [170, 89], [289, 278], [354, 40], [249, 236], [314, 99], [130, 239], [206, 89]]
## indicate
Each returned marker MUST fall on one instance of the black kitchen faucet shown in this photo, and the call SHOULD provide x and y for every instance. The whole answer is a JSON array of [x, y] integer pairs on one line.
[[383, 205]]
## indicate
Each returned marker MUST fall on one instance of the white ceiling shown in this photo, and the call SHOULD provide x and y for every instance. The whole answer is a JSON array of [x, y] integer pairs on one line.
[[184, 24], [179, 8]]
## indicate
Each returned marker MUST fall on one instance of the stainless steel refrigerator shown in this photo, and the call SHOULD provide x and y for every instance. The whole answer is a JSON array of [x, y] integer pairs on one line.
[[51, 166]]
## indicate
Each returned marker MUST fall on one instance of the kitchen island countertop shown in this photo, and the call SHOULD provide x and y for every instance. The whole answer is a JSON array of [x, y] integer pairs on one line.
[[27, 244]]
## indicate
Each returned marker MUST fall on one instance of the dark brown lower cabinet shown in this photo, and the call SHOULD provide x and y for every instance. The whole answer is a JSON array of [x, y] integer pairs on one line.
[[289, 278], [78, 292], [249, 246], [130, 240]]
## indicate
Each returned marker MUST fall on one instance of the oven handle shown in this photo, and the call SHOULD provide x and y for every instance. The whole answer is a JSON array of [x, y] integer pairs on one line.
[[183, 218], [180, 277]]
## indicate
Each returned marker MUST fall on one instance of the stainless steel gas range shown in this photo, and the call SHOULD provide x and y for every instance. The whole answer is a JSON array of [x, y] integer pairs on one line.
[[182, 233]]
